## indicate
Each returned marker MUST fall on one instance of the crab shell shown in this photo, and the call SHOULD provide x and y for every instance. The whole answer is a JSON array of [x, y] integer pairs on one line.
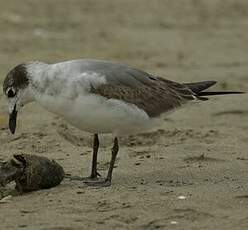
[[31, 172]]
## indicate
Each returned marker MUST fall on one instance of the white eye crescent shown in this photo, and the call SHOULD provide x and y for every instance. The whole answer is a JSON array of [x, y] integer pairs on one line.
[[10, 92]]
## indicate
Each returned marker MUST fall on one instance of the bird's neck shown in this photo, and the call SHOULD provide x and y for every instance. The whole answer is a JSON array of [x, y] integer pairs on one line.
[[38, 74], [36, 70], [46, 84]]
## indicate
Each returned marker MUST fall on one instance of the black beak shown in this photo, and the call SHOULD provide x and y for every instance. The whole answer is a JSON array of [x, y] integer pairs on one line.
[[12, 120]]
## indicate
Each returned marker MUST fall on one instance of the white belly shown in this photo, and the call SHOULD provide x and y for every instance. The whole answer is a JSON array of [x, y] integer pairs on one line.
[[96, 114]]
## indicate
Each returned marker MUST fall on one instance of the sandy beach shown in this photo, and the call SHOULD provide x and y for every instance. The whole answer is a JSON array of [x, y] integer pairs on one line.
[[189, 173]]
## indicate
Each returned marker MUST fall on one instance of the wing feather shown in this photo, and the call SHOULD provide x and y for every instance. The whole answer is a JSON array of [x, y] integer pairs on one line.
[[157, 97], [154, 95]]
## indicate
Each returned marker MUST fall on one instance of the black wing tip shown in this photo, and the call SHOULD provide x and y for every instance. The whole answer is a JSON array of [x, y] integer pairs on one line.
[[211, 82], [211, 93], [197, 87]]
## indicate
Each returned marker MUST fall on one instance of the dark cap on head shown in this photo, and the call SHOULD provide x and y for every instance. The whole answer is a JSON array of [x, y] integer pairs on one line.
[[16, 78]]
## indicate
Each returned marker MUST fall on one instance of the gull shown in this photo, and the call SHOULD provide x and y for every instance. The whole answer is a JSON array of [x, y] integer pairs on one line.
[[99, 97]]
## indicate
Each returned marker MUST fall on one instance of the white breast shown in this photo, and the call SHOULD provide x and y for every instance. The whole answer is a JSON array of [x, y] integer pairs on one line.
[[96, 114]]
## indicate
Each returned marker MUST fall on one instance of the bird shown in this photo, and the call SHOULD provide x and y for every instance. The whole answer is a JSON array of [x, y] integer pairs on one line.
[[99, 97]]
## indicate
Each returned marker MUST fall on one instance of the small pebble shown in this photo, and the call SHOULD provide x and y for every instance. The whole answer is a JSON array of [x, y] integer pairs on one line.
[[181, 197], [174, 222]]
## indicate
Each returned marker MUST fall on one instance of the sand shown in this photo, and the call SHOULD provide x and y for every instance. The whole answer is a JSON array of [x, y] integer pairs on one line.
[[189, 173]]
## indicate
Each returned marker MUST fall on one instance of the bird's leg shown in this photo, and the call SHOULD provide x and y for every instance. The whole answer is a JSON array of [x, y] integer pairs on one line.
[[107, 181], [114, 151], [94, 172]]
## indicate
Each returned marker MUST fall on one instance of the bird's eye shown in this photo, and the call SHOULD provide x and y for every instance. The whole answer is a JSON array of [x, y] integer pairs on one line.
[[11, 93]]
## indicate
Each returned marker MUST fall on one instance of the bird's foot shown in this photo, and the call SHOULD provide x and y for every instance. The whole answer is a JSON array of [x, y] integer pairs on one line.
[[98, 182], [86, 179], [89, 179]]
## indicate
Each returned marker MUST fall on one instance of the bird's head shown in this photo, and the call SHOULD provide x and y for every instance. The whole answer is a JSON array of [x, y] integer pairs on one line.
[[15, 88]]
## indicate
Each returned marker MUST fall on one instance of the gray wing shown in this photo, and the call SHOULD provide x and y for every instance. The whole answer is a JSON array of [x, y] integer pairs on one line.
[[115, 73], [154, 95]]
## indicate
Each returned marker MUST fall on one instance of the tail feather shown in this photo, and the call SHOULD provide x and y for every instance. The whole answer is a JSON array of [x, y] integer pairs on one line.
[[199, 87], [218, 93]]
